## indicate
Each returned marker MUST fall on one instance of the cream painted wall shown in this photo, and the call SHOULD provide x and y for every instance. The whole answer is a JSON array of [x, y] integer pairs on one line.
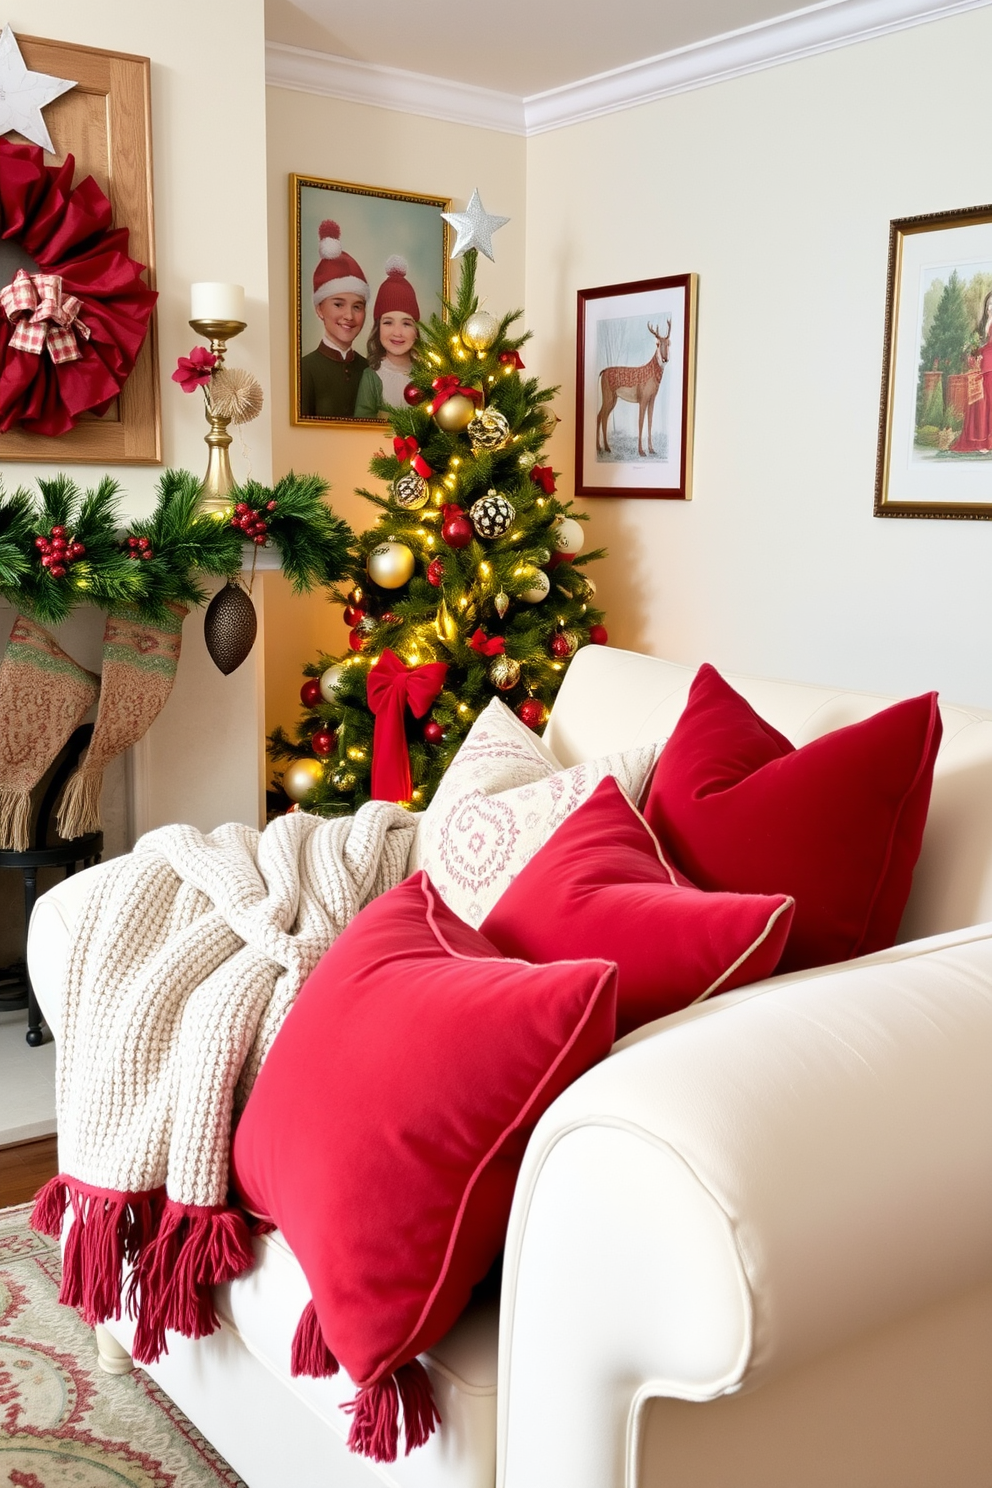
[[202, 761], [777, 189], [339, 141]]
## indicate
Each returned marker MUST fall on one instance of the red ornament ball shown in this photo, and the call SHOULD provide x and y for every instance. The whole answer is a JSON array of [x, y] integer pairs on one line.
[[356, 640], [433, 732], [532, 712], [352, 615], [598, 635], [435, 572], [323, 741], [560, 646], [457, 532], [413, 395], [310, 692]]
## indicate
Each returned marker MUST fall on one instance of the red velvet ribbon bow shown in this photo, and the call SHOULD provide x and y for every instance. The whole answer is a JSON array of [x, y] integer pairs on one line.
[[486, 647], [42, 317], [511, 359], [409, 449], [544, 476], [445, 387], [391, 689]]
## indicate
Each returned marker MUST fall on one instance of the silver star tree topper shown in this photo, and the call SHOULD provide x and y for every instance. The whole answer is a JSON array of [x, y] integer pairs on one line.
[[475, 227], [24, 94]]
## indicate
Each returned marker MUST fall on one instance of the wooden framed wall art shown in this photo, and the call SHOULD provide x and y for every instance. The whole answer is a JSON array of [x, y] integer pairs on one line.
[[104, 123], [935, 420], [367, 265], [635, 378]]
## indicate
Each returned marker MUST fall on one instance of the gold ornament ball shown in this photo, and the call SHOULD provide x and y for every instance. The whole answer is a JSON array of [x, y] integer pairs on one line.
[[527, 460], [300, 777], [567, 535], [329, 681], [344, 780], [489, 429], [455, 413], [504, 672], [539, 587], [411, 491], [479, 331], [390, 565]]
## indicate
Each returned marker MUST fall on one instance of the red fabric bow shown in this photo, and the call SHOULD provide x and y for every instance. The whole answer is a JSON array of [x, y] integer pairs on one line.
[[409, 449], [445, 387], [486, 647], [391, 689], [544, 476], [42, 316], [511, 359]]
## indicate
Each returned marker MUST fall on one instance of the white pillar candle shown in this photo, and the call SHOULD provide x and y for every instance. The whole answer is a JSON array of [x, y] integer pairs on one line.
[[217, 302]]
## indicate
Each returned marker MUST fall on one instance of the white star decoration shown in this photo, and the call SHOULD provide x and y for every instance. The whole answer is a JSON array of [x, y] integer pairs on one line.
[[24, 94], [475, 227]]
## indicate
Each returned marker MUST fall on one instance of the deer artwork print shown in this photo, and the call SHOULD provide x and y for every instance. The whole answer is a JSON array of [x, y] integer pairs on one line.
[[635, 385]]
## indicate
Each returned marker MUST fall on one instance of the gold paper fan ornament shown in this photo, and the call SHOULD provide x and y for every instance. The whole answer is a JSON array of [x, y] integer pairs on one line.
[[236, 395]]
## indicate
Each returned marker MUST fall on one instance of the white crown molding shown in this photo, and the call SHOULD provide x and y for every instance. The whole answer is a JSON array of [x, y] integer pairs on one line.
[[390, 87], [802, 33]]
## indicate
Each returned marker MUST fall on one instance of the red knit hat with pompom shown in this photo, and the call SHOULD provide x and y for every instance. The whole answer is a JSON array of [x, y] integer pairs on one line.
[[396, 293], [337, 271]]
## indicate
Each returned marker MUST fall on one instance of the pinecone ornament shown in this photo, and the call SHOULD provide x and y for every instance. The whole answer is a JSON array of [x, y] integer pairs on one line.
[[229, 627]]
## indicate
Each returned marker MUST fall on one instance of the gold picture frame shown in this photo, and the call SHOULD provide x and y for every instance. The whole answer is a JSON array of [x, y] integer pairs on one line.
[[105, 122], [375, 224], [934, 456]]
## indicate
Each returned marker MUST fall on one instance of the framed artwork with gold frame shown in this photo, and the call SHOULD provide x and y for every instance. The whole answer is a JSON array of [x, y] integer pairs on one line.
[[375, 228], [105, 123], [935, 418]]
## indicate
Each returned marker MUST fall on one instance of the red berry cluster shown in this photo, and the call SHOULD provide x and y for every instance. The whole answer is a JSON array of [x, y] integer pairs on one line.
[[251, 522], [139, 547], [58, 551]]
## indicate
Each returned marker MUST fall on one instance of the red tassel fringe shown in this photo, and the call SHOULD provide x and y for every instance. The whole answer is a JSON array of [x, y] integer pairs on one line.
[[310, 1354], [375, 1413], [177, 1254]]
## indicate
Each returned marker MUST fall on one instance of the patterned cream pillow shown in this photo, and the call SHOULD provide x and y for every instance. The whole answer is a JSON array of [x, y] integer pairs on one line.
[[502, 796]]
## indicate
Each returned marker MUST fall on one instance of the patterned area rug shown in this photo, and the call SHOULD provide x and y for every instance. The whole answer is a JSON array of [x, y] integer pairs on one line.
[[64, 1423]]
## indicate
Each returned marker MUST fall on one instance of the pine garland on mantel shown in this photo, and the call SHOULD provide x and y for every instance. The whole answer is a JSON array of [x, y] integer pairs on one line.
[[62, 547]]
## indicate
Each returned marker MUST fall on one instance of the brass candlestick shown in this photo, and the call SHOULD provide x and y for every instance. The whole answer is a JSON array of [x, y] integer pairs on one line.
[[219, 479]]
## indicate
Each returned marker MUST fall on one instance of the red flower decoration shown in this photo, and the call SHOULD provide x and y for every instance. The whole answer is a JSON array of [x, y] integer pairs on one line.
[[483, 646], [544, 476], [511, 359], [68, 230], [195, 370]]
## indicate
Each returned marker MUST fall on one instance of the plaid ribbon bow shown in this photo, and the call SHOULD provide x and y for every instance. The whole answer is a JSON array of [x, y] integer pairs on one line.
[[34, 305]]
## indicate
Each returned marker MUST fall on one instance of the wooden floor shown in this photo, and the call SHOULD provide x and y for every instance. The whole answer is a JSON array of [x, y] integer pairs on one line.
[[24, 1168]]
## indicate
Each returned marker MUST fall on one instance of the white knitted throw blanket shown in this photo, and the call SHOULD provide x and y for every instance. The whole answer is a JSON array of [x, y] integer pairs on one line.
[[185, 961]]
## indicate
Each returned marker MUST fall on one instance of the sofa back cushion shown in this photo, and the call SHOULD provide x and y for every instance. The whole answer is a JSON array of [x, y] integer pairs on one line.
[[612, 699]]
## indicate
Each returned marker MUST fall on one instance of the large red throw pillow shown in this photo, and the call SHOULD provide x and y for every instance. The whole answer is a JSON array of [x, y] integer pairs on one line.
[[837, 824], [600, 886], [385, 1129]]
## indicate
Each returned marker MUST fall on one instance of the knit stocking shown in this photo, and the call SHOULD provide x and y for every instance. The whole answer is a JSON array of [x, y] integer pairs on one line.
[[44, 694], [139, 666]]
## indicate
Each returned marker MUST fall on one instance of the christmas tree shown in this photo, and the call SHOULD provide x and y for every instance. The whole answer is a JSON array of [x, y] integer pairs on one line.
[[470, 584]]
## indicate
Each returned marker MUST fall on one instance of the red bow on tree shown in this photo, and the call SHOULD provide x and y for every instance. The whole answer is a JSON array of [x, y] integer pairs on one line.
[[481, 643], [391, 689], [445, 387], [544, 476], [409, 449], [511, 359]]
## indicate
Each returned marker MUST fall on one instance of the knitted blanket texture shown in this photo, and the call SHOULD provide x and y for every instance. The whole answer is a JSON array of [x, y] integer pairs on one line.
[[187, 957]]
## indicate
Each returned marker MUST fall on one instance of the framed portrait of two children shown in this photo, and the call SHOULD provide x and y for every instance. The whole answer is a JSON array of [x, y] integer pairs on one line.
[[367, 265]]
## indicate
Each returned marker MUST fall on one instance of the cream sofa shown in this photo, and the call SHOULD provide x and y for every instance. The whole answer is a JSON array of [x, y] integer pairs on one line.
[[752, 1247]]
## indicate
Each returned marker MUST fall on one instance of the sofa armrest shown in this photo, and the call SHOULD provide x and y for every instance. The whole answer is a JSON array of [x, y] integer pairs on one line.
[[49, 934], [744, 1187]]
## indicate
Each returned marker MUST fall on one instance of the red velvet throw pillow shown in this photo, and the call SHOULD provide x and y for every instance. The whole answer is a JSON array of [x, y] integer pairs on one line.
[[385, 1130], [837, 824], [600, 886]]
